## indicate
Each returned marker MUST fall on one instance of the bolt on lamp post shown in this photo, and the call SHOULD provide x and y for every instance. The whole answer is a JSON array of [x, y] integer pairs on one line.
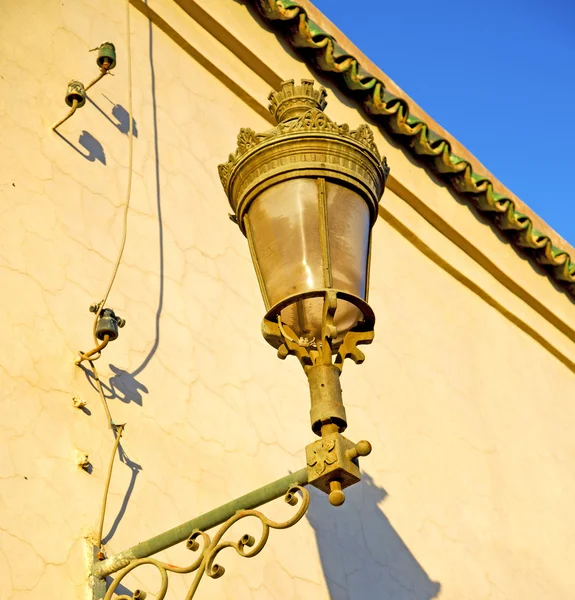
[[305, 195]]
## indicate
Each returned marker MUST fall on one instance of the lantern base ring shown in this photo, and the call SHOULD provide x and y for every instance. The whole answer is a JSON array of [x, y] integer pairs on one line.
[[275, 336], [280, 336]]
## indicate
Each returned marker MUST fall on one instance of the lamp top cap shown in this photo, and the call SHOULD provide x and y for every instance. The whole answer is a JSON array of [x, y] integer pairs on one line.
[[292, 101]]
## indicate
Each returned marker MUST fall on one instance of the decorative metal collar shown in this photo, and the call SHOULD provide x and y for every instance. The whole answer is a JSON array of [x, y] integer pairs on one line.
[[298, 109]]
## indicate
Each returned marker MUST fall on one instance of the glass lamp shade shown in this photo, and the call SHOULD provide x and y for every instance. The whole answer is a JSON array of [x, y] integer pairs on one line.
[[307, 235], [305, 194]]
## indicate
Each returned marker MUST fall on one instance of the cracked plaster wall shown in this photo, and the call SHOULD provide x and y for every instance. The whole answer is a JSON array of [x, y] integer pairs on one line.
[[468, 493]]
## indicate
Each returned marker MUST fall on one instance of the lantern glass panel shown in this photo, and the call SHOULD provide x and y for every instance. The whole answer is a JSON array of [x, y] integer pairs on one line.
[[349, 230], [285, 228]]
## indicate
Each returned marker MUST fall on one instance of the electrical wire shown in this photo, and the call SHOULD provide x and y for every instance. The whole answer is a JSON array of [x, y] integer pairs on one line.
[[103, 71], [129, 185], [118, 429], [70, 113], [95, 81], [102, 397], [97, 350]]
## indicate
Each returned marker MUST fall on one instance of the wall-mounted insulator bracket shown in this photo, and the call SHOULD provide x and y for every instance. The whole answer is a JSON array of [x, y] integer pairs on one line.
[[108, 323], [76, 91], [83, 460], [78, 402], [106, 60]]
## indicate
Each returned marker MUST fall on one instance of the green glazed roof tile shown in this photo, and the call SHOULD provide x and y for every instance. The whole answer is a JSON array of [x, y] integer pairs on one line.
[[320, 50]]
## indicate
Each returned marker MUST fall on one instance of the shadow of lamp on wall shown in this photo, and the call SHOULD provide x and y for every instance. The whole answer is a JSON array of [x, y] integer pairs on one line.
[[305, 195], [362, 555]]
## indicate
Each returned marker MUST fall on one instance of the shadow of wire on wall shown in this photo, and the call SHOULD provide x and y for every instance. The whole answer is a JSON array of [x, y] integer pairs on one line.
[[121, 385], [135, 468], [362, 556], [124, 380], [118, 115]]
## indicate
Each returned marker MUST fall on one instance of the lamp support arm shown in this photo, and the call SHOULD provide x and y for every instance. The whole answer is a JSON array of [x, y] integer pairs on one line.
[[204, 522]]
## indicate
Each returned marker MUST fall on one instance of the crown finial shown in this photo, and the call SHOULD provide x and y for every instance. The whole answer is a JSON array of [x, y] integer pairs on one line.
[[292, 101]]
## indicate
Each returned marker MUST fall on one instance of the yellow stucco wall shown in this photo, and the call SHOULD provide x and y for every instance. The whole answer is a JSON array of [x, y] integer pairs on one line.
[[466, 393]]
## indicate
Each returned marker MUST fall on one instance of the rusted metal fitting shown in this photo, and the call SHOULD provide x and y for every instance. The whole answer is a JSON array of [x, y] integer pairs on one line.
[[106, 59], [332, 464], [78, 402], [326, 398], [83, 460]]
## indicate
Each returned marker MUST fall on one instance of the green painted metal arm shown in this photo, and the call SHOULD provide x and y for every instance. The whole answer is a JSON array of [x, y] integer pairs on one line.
[[204, 522]]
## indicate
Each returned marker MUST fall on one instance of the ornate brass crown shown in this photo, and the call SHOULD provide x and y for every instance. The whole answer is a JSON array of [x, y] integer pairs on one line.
[[305, 143], [294, 100]]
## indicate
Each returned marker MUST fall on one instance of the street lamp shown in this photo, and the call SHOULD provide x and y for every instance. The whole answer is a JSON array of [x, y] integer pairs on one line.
[[305, 195]]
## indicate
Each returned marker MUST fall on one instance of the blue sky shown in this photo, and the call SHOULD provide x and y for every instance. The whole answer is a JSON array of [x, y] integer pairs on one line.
[[499, 75]]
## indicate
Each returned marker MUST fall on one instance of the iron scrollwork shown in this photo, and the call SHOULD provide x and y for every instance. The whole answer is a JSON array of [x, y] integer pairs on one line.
[[247, 546]]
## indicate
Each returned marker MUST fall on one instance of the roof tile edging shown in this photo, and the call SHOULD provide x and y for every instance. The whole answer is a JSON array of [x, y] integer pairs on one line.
[[392, 112]]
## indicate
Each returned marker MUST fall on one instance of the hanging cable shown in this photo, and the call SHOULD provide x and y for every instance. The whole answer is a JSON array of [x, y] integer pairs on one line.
[[96, 352], [130, 163], [93, 355], [118, 429], [95, 81], [70, 113], [101, 392]]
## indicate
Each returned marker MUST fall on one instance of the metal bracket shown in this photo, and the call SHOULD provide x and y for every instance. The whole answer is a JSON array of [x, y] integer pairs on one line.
[[98, 583], [349, 347], [204, 564], [333, 465], [308, 354]]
